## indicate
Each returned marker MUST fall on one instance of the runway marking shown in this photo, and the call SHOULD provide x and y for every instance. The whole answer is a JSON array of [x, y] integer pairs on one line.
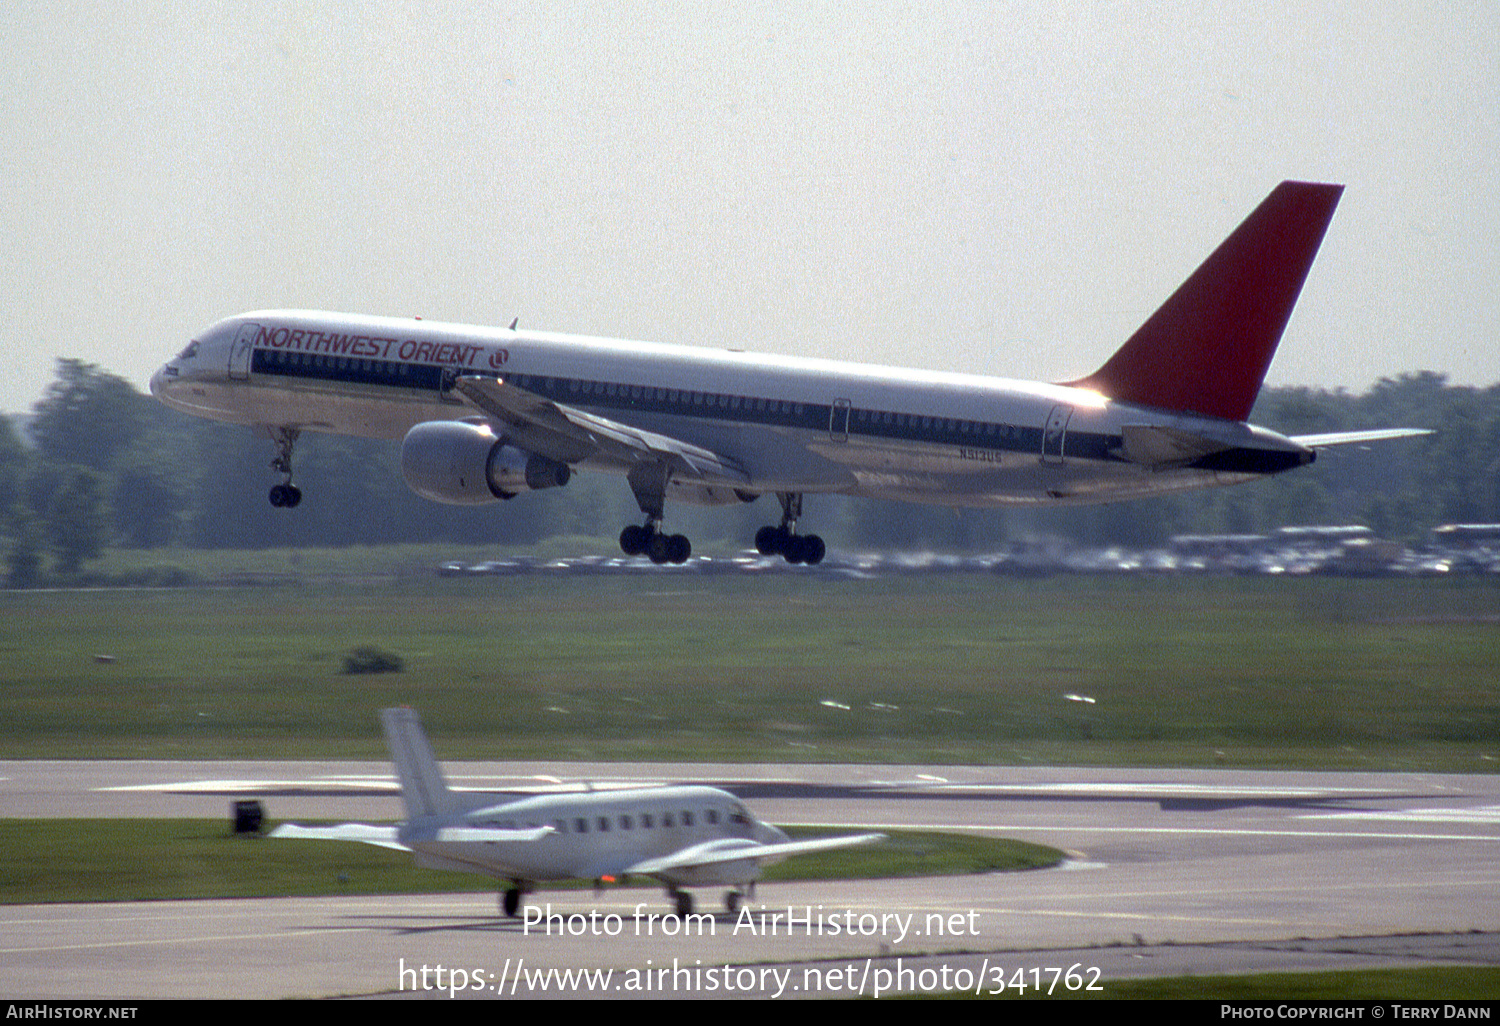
[[1486, 814], [1150, 790], [209, 938], [372, 784], [1074, 828]]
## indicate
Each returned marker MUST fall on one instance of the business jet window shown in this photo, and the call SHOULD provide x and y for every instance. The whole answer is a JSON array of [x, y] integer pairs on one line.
[[687, 819], [666, 819], [625, 823], [645, 821], [561, 826], [603, 823], [712, 816], [188, 353], [581, 825]]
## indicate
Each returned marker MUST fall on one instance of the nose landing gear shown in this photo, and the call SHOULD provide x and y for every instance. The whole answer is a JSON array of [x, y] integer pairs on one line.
[[285, 495]]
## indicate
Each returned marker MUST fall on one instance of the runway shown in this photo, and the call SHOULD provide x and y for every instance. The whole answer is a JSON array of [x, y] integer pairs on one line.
[[1171, 872]]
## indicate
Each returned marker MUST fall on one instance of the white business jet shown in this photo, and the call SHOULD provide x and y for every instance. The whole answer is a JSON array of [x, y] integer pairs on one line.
[[684, 836], [485, 413]]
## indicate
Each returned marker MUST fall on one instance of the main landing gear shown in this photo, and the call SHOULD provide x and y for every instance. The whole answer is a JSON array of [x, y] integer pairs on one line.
[[649, 541], [784, 540], [649, 483], [285, 495], [510, 898], [735, 898]]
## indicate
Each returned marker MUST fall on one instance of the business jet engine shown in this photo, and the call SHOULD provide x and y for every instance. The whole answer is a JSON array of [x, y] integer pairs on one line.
[[463, 463]]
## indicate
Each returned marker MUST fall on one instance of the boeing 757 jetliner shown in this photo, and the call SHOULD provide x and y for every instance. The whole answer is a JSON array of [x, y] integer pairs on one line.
[[488, 413], [684, 836]]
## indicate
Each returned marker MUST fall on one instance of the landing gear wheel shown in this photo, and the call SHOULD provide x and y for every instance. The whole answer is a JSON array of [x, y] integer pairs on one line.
[[659, 548], [634, 539], [808, 549], [784, 540], [732, 902], [285, 496], [794, 548], [771, 541], [684, 903], [510, 901]]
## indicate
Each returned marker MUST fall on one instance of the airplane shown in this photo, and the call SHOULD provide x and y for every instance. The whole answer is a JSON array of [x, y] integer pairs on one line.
[[485, 414], [682, 835]]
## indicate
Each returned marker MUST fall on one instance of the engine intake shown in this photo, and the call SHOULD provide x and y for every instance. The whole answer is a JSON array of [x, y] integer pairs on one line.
[[466, 464]]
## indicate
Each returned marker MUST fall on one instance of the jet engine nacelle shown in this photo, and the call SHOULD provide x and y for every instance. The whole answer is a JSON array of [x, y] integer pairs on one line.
[[467, 464]]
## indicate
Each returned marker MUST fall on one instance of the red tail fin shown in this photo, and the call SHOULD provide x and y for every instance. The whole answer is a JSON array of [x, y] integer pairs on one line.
[[1207, 349]]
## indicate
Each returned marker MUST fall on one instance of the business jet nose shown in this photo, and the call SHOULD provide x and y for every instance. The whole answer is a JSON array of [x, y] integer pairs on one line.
[[765, 833]]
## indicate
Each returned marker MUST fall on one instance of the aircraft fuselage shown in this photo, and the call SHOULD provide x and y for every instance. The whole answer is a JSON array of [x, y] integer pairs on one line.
[[595, 834], [791, 425]]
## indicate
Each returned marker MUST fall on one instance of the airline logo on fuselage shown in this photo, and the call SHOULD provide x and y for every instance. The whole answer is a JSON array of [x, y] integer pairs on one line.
[[372, 347]]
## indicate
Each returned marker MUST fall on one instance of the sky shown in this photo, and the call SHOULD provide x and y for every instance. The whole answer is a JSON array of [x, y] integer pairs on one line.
[[1000, 188]]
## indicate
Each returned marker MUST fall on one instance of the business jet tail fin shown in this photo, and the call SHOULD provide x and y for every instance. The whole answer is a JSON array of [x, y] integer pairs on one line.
[[423, 787]]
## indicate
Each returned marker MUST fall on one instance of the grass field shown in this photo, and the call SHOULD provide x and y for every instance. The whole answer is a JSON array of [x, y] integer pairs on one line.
[[1316, 673], [151, 859]]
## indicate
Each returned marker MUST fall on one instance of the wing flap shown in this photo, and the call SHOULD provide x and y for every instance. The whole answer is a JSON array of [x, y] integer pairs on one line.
[[389, 836], [739, 850], [489, 835], [566, 434]]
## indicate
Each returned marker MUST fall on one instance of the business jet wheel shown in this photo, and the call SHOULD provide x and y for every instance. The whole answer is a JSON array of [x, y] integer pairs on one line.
[[510, 901], [285, 496], [684, 902], [732, 901]]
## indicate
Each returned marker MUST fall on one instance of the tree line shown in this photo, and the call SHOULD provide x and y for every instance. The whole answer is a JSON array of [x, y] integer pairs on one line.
[[98, 464]]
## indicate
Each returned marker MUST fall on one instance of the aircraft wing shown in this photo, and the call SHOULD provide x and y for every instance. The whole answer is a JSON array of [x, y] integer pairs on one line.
[[1356, 437], [739, 850], [384, 836], [484, 834], [568, 435], [389, 836]]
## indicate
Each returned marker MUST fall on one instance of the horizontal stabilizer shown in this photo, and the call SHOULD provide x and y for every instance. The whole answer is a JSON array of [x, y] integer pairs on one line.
[[1357, 437], [384, 836]]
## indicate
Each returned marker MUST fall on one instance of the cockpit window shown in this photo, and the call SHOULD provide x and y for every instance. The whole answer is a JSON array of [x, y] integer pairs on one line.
[[190, 352]]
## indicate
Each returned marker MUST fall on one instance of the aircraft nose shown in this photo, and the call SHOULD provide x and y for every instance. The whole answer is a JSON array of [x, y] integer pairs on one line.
[[165, 373], [768, 834]]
